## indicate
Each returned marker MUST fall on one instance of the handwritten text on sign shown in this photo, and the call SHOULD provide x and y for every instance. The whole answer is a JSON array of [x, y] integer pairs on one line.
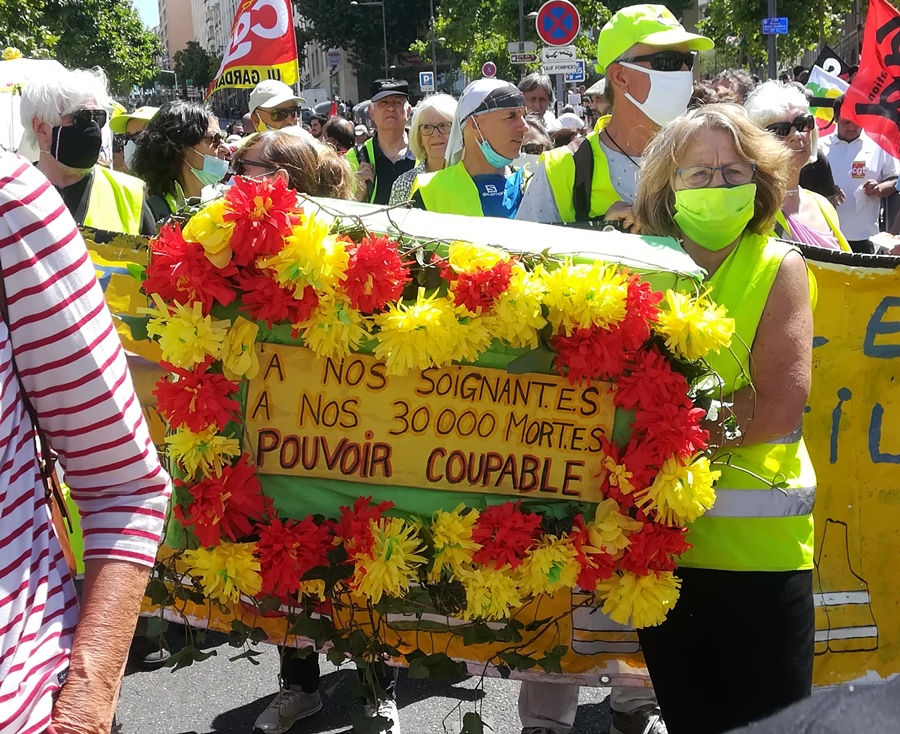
[[462, 428]]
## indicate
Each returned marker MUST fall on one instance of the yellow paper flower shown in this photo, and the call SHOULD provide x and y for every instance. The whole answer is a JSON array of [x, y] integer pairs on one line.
[[619, 476], [472, 336], [239, 358], [186, 336], [453, 544], [310, 256], [315, 588], [225, 571], [580, 296], [549, 566], [209, 229], [694, 327], [644, 600], [516, 317], [11, 54], [424, 334], [491, 593], [394, 560], [610, 529], [334, 329], [466, 257], [206, 452], [681, 492]]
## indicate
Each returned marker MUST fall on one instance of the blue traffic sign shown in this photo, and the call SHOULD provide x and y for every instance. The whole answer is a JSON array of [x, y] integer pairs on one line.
[[426, 81], [577, 75], [558, 22], [775, 26]]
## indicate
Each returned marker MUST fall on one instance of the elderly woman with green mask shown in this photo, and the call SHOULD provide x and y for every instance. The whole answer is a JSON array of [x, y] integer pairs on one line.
[[485, 138], [743, 630]]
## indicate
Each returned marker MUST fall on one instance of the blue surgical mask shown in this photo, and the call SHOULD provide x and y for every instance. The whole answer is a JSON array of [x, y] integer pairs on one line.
[[214, 169], [493, 158]]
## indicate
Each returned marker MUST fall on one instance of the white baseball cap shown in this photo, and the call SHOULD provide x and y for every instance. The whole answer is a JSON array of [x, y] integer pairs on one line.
[[271, 93], [360, 130]]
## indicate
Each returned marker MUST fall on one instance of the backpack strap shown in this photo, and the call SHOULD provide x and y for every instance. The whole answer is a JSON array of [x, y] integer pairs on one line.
[[583, 155], [159, 208]]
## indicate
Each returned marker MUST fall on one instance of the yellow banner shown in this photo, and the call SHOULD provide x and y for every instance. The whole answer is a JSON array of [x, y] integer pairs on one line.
[[247, 77], [460, 428]]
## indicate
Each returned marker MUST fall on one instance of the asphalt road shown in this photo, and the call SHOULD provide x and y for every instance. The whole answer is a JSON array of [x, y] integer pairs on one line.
[[224, 697]]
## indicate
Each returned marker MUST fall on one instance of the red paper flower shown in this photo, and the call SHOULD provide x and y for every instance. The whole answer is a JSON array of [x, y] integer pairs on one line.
[[265, 300], [478, 290], [505, 534], [263, 212], [595, 567], [637, 461], [353, 526], [640, 314], [197, 399], [204, 513], [180, 271], [589, 354], [651, 381], [671, 430], [654, 548], [287, 551], [375, 274]]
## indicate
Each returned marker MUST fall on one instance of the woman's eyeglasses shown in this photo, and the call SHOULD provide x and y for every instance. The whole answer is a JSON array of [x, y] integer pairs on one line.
[[83, 118], [664, 60], [699, 177], [801, 123], [282, 113], [428, 130], [534, 148], [239, 166]]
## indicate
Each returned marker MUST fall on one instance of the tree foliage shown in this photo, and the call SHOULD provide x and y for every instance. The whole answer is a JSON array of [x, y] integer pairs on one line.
[[358, 29], [737, 24], [195, 66], [84, 33]]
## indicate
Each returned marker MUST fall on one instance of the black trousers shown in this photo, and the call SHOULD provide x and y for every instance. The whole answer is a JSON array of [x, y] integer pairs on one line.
[[737, 647], [304, 672], [866, 247]]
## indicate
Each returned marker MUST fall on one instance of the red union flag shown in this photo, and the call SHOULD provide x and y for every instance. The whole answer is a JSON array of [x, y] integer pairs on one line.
[[873, 100], [262, 46]]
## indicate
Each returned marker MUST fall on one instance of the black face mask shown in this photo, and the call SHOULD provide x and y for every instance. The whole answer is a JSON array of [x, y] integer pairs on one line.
[[77, 146]]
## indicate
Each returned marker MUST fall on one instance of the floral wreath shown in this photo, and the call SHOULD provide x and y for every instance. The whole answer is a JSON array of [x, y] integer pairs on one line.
[[262, 257]]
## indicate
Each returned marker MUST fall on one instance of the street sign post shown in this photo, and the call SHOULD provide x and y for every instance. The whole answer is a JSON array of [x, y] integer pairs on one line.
[[775, 26], [563, 67], [526, 58], [489, 69], [334, 61], [558, 23], [521, 47], [559, 53], [426, 81]]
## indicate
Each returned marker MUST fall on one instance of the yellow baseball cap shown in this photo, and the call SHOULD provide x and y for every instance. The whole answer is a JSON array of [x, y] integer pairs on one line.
[[118, 123], [654, 25]]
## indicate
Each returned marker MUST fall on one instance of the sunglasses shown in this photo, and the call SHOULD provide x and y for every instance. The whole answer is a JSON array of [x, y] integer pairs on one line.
[[428, 130], [239, 166], [801, 123], [282, 113], [215, 139], [664, 60], [83, 118], [533, 149]]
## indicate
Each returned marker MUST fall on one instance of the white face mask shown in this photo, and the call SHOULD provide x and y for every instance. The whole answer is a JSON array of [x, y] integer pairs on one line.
[[670, 92], [128, 153]]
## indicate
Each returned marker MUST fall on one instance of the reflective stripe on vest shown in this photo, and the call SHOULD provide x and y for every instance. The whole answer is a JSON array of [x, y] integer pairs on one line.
[[116, 202], [762, 517], [559, 164], [449, 191]]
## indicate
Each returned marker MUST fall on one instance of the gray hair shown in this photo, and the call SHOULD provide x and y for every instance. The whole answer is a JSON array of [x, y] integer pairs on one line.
[[61, 94], [535, 80], [772, 100], [444, 105]]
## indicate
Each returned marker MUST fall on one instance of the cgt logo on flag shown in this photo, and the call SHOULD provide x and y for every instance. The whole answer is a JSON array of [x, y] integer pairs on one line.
[[873, 100]]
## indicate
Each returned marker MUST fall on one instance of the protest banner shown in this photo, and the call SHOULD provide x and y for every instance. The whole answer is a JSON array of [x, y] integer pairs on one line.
[[262, 45], [873, 100], [825, 88], [831, 62]]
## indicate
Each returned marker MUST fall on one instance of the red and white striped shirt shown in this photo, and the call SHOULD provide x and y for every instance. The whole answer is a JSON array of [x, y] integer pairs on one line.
[[73, 367]]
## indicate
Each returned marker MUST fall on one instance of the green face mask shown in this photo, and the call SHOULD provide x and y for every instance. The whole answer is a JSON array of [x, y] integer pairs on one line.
[[714, 218]]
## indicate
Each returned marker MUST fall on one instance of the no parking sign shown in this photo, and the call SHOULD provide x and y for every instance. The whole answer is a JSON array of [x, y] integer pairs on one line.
[[558, 22]]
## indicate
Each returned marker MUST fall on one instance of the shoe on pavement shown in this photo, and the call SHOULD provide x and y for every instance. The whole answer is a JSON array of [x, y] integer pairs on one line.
[[286, 709], [540, 730], [644, 720], [147, 654], [387, 709]]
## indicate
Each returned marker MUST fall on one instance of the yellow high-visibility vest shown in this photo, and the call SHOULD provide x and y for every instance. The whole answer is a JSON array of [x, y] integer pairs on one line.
[[449, 191], [115, 202]]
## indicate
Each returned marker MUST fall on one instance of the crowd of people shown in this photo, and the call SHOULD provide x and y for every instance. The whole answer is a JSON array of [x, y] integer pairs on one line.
[[732, 168]]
